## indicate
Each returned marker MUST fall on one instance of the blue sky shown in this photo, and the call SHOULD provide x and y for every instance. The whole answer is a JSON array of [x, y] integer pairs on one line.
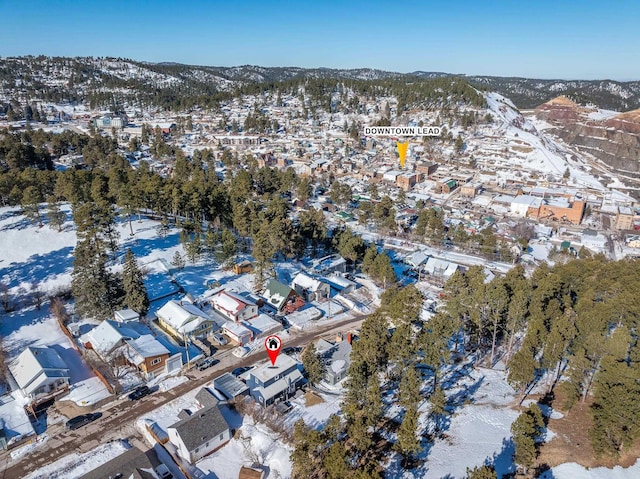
[[542, 39]]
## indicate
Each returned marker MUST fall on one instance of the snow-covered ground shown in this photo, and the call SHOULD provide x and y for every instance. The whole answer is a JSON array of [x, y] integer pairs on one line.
[[571, 470], [253, 443], [77, 464]]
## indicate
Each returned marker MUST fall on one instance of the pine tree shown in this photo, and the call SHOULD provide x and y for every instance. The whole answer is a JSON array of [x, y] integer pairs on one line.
[[312, 364], [163, 228], [30, 203], [482, 472], [55, 215], [193, 248], [335, 462], [438, 402], [95, 289], [408, 443], [136, 296], [409, 388], [526, 429], [177, 261], [369, 258], [522, 368]]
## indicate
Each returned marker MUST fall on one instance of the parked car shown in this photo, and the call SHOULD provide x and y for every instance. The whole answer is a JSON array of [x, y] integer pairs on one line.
[[163, 472], [206, 363], [139, 393], [219, 338], [83, 420], [292, 350], [241, 370]]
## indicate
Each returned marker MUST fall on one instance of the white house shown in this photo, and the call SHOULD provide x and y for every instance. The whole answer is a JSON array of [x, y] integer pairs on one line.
[[181, 319], [234, 307], [237, 332], [108, 336], [270, 382], [40, 373], [440, 267], [263, 326], [200, 434], [311, 289]]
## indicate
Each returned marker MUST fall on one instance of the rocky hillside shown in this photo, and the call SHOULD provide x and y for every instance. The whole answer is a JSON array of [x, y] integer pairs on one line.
[[611, 137]]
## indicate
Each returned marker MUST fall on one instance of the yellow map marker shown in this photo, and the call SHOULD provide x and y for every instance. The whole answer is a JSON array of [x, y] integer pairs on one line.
[[402, 152]]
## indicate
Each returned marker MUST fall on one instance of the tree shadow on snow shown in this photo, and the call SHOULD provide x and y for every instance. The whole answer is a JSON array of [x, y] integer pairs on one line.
[[38, 267]]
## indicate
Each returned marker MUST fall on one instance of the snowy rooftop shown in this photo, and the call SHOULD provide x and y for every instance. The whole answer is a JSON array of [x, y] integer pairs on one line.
[[266, 371], [147, 346]]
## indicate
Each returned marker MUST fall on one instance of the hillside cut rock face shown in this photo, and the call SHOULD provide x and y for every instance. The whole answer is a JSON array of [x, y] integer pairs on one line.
[[613, 139]]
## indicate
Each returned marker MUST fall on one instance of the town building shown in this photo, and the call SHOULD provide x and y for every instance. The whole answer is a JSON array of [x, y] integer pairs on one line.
[[268, 383], [200, 433], [41, 374], [281, 297], [233, 306], [310, 289], [148, 355], [182, 319]]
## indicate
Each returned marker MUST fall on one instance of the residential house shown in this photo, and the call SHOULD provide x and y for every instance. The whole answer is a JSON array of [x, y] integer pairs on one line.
[[337, 360], [417, 259], [243, 267], [237, 332], [182, 319], [40, 373], [263, 326], [109, 335], [131, 464], [281, 297], [200, 434], [268, 383], [148, 354], [311, 289], [233, 306], [440, 268], [331, 264]]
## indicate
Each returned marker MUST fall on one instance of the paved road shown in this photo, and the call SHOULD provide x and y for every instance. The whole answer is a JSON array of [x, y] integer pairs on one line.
[[118, 421]]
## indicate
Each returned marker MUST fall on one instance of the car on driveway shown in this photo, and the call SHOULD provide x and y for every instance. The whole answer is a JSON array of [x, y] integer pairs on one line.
[[291, 350], [83, 420], [206, 363], [219, 338], [139, 393]]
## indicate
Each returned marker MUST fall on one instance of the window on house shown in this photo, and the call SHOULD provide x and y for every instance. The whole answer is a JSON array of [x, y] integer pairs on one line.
[[221, 436], [197, 450], [156, 361]]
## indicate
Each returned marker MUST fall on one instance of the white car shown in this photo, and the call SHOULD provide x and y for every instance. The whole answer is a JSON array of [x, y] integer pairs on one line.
[[241, 351], [219, 338]]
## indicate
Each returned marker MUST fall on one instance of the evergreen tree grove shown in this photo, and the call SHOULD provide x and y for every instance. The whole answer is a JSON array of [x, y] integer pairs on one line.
[[135, 292]]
